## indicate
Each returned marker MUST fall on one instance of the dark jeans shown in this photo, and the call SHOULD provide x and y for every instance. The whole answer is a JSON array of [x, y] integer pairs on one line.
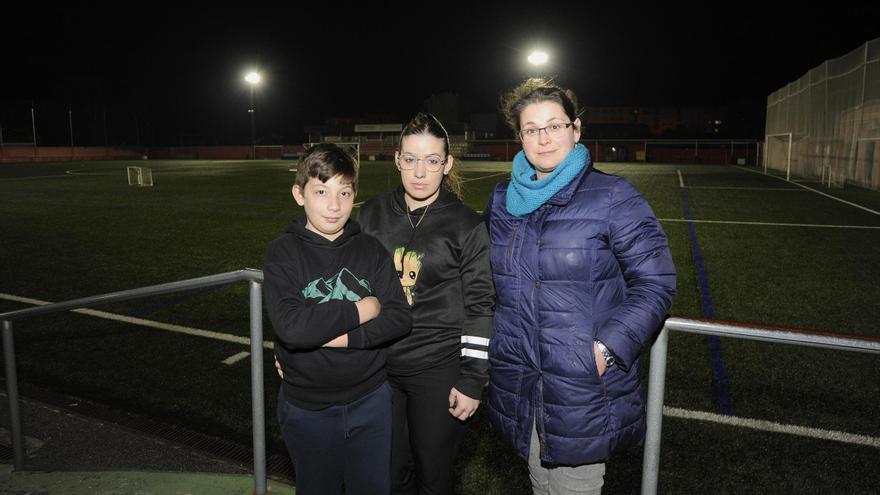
[[341, 445], [426, 437]]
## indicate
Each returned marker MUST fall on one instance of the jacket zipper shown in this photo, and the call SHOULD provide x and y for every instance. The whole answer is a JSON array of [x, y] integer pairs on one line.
[[510, 248], [539, 417]]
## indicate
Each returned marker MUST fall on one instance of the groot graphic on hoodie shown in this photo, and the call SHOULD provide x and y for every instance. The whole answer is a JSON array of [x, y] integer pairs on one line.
[[408, 265]]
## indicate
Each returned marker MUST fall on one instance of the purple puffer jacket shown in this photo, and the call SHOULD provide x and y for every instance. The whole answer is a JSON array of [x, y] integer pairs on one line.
[[592, 263]]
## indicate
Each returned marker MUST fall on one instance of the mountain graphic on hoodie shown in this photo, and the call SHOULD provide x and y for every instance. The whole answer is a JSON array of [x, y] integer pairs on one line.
[[345, 285]]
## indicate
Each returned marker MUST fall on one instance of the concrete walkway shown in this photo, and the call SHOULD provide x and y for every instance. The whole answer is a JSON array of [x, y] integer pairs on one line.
[[127, 483], [70, 453]]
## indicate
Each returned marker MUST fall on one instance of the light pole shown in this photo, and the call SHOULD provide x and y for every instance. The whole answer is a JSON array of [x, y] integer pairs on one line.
[[253, 78], [104, 115], [70, 120], [538, 58], [34, 130]]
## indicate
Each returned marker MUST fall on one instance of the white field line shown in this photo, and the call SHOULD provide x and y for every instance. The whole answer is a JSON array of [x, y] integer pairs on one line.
[[236, 357], [680, 179], [75, 171], [791, 189], [67, 173], [624, 172], [773, 427], [147, 323], [668, 411], [485, 177], [34, 177], [776, 224], [819, 192]]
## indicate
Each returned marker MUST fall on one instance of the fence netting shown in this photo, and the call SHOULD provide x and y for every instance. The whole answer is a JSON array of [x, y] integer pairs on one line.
[[826, 125]]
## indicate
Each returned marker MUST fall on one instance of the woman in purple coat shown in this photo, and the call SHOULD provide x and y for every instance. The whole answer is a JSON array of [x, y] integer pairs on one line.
[[584, 278]]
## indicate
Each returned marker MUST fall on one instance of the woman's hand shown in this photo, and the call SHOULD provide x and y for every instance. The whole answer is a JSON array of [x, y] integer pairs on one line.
[[461, 406], [600, 359], [278, 368]]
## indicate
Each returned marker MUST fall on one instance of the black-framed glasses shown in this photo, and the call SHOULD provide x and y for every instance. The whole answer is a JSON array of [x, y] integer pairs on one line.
[[408, 161], [554, 130]]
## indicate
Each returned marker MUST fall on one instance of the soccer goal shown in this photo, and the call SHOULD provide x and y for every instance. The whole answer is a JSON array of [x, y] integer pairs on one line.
[[353, 149], [140, 176], [777, 155]]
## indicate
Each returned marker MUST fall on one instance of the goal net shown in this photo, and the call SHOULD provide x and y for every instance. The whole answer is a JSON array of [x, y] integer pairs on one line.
[[140, 176]]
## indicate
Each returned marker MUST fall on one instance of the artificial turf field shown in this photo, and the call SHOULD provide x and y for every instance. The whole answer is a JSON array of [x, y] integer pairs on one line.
[[771, 252]]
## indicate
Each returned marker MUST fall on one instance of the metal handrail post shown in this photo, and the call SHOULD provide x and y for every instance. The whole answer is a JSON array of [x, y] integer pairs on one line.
[[656, 388], [255, 277], [657, 370], [257, 397], [12, 395]]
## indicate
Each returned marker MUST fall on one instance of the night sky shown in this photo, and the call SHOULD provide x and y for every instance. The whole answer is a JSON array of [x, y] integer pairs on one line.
[[165, 76]]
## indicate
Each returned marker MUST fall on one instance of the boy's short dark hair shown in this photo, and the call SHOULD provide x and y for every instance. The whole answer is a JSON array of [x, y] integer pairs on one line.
[[324, 161]]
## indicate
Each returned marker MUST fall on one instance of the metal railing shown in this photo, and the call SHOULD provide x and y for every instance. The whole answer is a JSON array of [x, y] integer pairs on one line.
[[656, 374], [657, 370], [254, 277]]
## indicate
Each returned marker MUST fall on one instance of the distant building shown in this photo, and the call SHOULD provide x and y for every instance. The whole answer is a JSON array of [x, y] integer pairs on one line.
[[653, 122], [378, 135]]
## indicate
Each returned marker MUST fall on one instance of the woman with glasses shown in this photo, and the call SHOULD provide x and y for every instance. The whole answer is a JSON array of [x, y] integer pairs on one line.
[[584, 278], [441, 250]]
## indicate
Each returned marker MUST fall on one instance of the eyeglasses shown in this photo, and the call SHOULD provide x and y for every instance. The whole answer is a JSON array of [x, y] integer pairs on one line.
[[433, 163], [553, 130]]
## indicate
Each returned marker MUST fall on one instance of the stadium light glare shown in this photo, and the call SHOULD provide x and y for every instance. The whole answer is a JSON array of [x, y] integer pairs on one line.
[[252, 78], [538, 57]]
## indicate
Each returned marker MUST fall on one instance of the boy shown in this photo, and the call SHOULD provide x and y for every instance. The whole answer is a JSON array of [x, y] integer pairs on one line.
[[335, 301]]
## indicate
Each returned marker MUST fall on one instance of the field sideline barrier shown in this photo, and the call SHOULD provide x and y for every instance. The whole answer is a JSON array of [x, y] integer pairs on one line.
[[255, 279], [656, 374], [657, 370]]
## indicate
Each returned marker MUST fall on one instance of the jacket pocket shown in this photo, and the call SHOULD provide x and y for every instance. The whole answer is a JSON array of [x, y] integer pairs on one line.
[[584, 362]]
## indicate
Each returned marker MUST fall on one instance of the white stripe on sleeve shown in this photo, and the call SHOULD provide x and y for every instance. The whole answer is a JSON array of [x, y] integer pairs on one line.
[[475, 354], [469, 339]]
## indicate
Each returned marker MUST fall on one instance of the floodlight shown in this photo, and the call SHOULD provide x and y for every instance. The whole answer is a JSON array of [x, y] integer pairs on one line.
[[538, 57], [252, 78]]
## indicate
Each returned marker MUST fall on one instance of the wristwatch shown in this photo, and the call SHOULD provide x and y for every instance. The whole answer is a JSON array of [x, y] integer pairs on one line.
[[609, 358]]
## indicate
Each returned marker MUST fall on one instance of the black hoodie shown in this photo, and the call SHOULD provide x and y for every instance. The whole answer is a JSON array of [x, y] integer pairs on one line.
[[442, 256], [311, 286]]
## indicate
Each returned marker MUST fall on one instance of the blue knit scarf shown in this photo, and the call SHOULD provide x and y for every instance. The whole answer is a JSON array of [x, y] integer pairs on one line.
[[526, 195]]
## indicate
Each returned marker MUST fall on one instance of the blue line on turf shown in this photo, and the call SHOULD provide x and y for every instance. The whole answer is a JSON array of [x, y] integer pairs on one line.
[[719, 379]]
